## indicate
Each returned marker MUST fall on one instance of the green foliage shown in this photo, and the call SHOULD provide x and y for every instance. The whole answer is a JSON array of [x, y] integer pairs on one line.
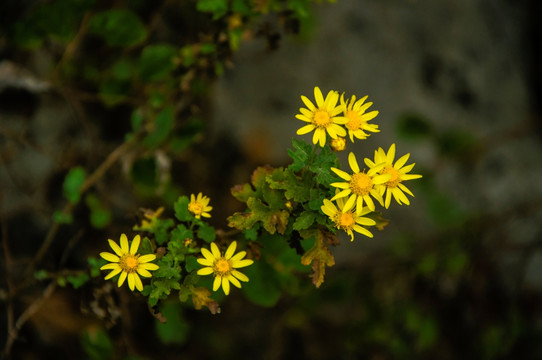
[[72, 184], [156, 62], [97, 344], [413, 126], [118, 27], [162, 125], [176, 329], [100, 216]]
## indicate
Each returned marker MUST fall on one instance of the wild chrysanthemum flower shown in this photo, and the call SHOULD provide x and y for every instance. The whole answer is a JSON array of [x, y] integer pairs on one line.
[[354, 112], [346, 219], [397, 172], [323, 117], [199, 206], [128, 263], [360, 186], [338, 144], [223, 267]]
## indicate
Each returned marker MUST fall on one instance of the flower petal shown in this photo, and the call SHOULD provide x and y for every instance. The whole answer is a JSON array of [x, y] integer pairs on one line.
[[113, 245], [318, 97], [308, 103], [342, 174], [238, 256], [135, 244], [353, 162], [146, 258], [131, 281], [124, 244], [225, 285], [122, 277], [217, 282], [110, 266], [305, 129], [109, 257], [113, 273], [242, 263], [206, 262], [205, 271], [208, 255], [144, 272], [240, 275], [138, 283], [148, 266], [230, 250], [234, 281], [215, 251]]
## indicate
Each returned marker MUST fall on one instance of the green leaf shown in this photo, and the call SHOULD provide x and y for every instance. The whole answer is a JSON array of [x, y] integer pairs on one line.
[[144, 172], [322, 165], [176, 328], [96, 344], [216, 7], [297, 189], [243, 192], [72, 184], [305, 220], [263, 287], [78, 280], [95, 265], [156, 62], [272, 220], [181, 209], [114, 91], [162, 125], [119, 27], [181, 233], [456, 143], [191, 264], [300, 154], [206, 233], [100, 216]]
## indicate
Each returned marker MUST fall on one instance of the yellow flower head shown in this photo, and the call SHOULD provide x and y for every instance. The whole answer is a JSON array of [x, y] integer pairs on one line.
[[322, 118], [151, 217], [360, 186], [223, 267], [128, 263], [338, 144], [397, 174], [199, 206], [346, 219], [354, 112]]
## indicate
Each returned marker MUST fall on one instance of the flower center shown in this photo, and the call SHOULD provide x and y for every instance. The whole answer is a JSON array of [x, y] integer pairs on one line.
[[338, 144], [222, 267], [195, 208], [322, 119], [361, 184], [129, 263], [354, 120], [395, 180], [345, 220]]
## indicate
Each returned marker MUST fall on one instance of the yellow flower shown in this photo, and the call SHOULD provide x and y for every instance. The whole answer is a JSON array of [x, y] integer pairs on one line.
[[338, 144], [223, 267], [397, 172], [360, 185], [323, 117], [199, 206], [345, 218], [128, 263], [151, 217], [354, 112]]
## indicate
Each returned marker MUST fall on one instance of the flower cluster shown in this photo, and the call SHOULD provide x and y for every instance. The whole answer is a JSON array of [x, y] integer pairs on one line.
[[382, 180], [325, 118]]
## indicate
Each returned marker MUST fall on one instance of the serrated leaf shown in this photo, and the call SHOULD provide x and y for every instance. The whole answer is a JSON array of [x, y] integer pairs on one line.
[[322, 165], [78, 280], [320, 257], [119, 27], [300, 154], [181, 209], [304, 220], [296, 188], [272, 220], [206, 233]]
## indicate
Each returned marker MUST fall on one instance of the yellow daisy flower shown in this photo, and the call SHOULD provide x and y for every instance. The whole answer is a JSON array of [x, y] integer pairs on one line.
[[338, 144], [199, 206], [354, 112], [346, 219], [323, 117], [398, 173], [360, 186], [223, 267], [128, 263]]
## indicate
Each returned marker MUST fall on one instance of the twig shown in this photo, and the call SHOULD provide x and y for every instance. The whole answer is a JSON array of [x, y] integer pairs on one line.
[[27, 314]]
